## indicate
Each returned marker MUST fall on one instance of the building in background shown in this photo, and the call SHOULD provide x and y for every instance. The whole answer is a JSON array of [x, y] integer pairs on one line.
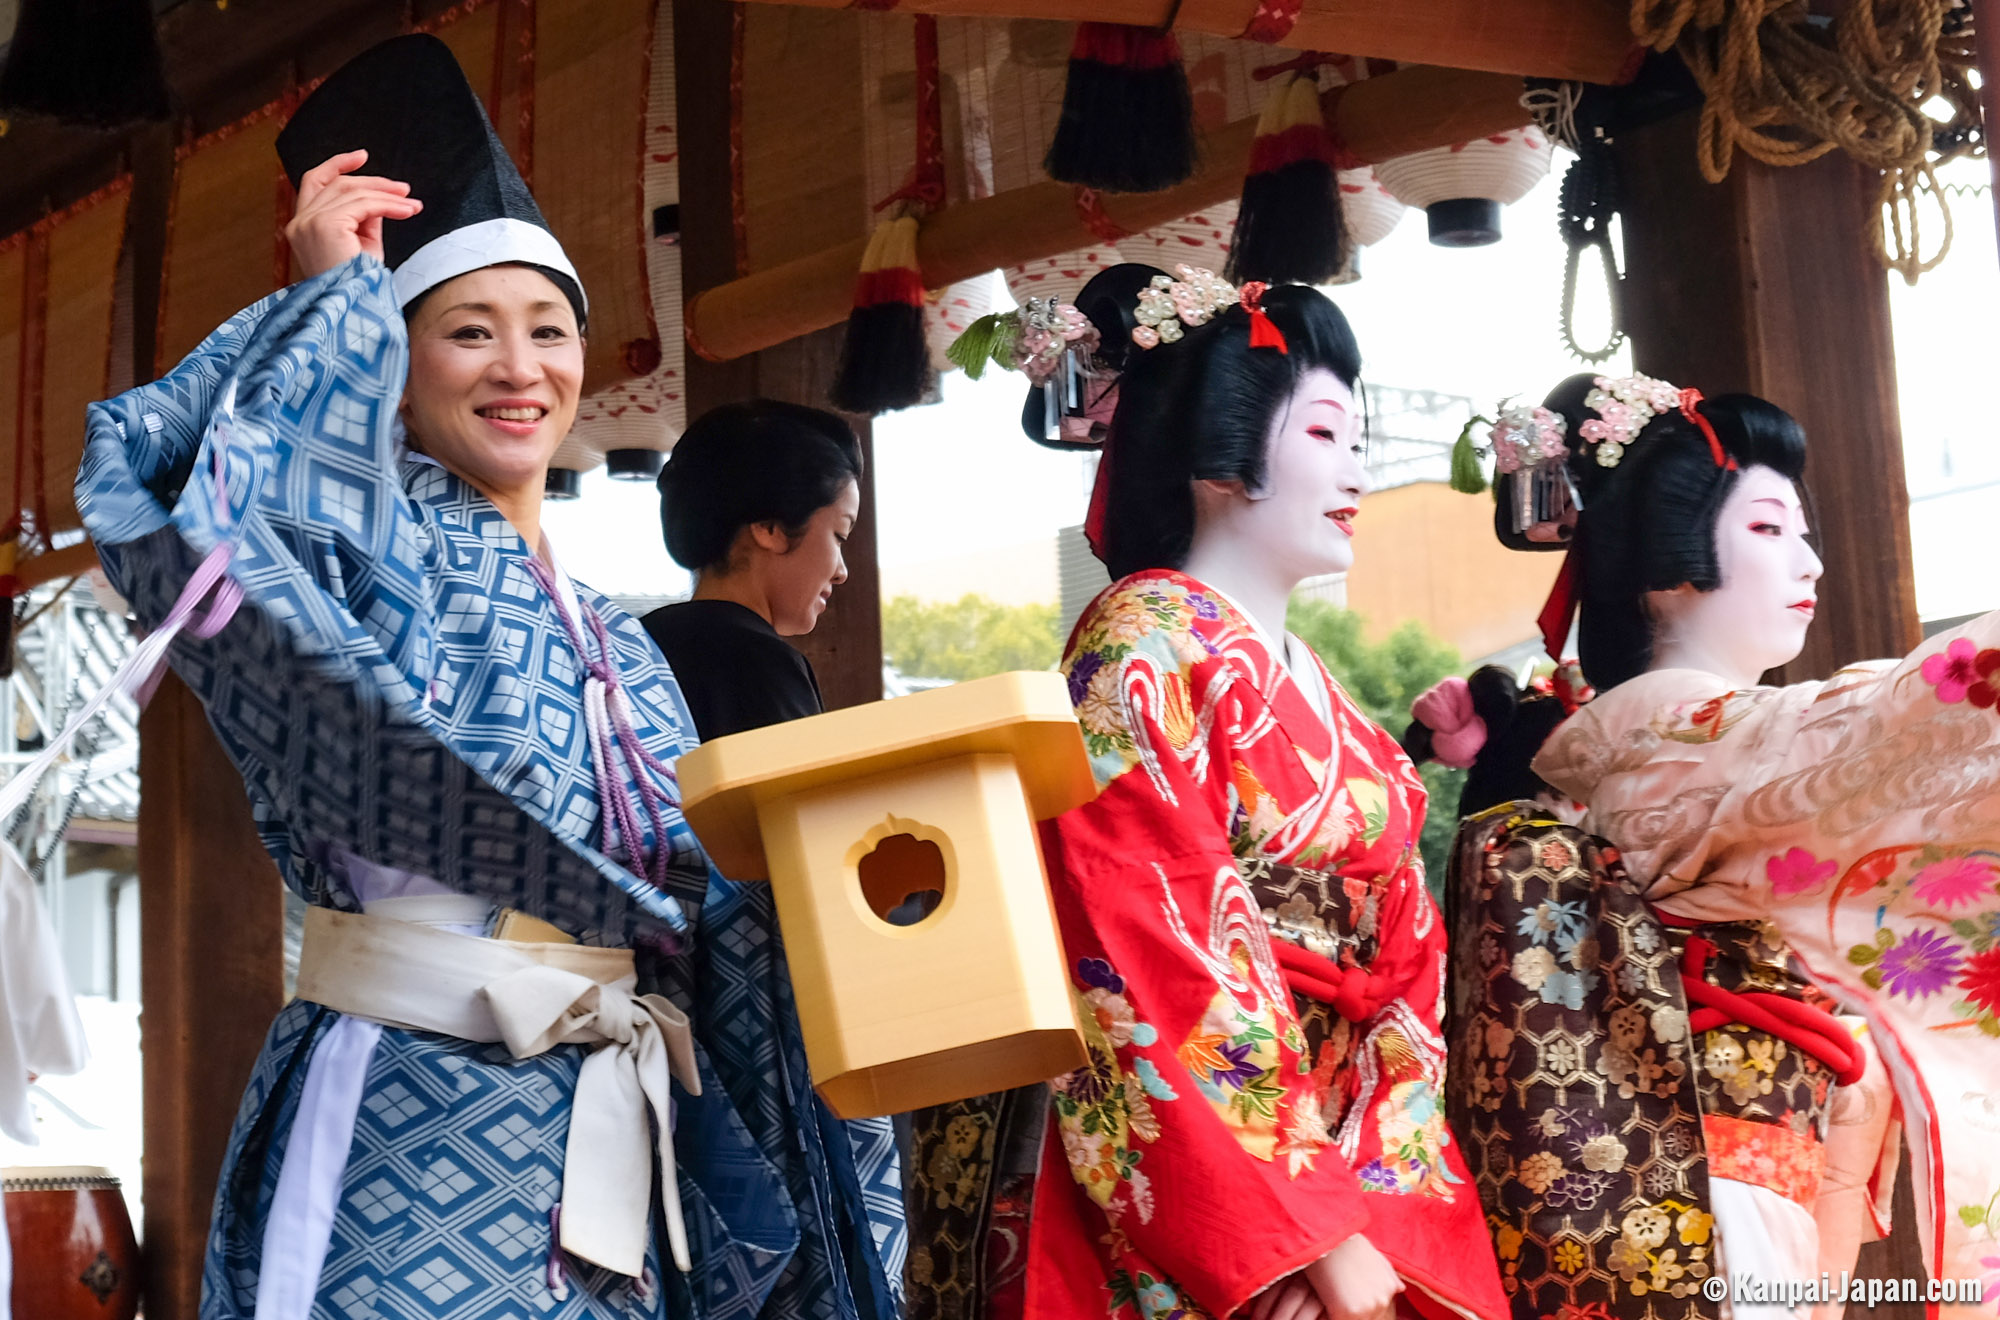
[[1427, 554]]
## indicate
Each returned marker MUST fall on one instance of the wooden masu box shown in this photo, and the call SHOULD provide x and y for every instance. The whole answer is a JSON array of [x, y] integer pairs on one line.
[[918, 811]]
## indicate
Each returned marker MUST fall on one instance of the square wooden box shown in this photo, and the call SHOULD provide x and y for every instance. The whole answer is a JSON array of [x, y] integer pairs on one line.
[[971, 998]]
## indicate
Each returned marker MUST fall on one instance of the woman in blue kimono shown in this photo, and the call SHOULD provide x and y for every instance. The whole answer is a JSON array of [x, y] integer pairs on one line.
[[330, 516]]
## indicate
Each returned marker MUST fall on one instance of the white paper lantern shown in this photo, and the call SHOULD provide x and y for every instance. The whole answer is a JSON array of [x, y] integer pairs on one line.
[[953, 309], [1058, 277], [1462, 188], [1201, 239], [630, 427], [1370, 210]]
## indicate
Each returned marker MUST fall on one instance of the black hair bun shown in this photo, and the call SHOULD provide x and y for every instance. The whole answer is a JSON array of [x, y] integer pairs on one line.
[[1110, 299]]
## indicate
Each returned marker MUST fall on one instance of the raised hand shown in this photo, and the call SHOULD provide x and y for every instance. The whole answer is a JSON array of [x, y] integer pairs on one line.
[[340, 213]]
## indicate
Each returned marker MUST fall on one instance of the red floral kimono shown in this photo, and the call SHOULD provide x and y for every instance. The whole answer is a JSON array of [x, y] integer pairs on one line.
[[1247, 859]]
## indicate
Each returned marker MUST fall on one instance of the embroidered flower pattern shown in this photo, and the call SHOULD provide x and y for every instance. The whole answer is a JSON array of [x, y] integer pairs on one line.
[[1539, 1170], [1980, 979], [1604, 1153], [1963, 672], [1796, 872], [1533, 966], [1152, 1298], [1954, 882], [1101, 1108], [1919, 965]]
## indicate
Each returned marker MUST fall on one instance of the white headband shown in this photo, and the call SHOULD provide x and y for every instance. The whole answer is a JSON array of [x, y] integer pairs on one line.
[[489, 243]]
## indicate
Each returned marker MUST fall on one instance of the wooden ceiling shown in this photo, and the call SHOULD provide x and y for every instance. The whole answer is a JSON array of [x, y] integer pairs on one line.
[[224, 58]]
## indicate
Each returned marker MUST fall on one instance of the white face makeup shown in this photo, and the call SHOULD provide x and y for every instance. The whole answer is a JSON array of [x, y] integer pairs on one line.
[[1757, 619], [1302, 517]]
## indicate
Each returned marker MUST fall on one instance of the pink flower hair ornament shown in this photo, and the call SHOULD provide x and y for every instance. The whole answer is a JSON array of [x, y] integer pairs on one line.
[[1624, 404], [1525, 437], [1166, 304], [1034, 339]]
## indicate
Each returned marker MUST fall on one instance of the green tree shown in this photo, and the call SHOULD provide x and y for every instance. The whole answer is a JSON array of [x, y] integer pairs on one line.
[[970, 637], [1383, 678]]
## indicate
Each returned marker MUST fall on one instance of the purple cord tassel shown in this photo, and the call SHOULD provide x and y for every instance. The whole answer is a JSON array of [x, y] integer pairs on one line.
[[616, 747], [557, 1274]]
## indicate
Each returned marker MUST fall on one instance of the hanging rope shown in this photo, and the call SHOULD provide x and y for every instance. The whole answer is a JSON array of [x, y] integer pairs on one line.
[[1574, 118], [1785, 89]]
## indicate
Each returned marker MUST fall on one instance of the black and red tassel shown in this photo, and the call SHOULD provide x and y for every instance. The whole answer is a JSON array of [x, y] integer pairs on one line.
[[1127, 120], [1289, 225], [885, 363]]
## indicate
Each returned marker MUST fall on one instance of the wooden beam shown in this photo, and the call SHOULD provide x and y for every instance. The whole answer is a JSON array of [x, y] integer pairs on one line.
[[1986, 32], [1378, 118], [846, 648], [211, 976], [1769, 283], [66, 562], [1584, 40]]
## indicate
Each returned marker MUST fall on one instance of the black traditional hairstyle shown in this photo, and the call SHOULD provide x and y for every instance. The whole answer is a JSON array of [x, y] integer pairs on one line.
[[747, 463], [1518, 721], [1198, 409], [1648, 524]]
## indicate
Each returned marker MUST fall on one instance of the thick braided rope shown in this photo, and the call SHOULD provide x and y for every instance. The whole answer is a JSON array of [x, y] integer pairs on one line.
[[1786, 93]]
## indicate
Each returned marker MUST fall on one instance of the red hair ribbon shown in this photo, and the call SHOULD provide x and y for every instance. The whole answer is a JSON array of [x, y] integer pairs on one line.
[[1689, 398], [1560, 609], [1264, 332]]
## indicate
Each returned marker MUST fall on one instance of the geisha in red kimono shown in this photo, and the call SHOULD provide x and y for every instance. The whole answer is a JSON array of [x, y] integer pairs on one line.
[[1260, 1129]]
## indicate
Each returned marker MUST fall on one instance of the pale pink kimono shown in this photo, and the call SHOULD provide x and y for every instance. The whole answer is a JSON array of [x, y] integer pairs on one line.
[[1860, 815]]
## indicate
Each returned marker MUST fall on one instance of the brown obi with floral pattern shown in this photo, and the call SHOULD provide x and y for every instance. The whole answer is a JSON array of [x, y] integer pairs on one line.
[[1327, 914]]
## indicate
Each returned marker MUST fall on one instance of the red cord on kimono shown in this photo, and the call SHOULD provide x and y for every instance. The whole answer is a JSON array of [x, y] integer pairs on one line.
[[1803, 1026]]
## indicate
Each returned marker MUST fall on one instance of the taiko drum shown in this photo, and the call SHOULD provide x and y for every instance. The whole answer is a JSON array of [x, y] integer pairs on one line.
[[75, 1257]]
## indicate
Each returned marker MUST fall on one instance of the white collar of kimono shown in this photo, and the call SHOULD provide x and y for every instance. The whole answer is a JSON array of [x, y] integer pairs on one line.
[[1295, 655], [474, 247]]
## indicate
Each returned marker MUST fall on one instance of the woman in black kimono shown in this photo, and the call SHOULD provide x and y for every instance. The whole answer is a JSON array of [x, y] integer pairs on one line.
[[756, 501]]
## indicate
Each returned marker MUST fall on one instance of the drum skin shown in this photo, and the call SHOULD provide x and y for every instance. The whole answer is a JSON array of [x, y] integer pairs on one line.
[[75, 1257]]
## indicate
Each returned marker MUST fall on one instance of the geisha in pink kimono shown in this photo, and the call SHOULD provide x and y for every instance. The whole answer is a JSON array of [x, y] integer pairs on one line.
[[1260, 1129], [1845, 830]]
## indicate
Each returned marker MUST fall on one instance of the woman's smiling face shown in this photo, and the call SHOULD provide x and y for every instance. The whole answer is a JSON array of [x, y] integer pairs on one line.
[[1313, 479], [496, 369]]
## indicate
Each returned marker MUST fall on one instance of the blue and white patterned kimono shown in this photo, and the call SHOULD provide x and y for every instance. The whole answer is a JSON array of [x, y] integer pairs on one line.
[[396, 687]]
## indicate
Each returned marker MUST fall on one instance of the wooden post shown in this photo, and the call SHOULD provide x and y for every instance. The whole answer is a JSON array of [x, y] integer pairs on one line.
[[211, 978], [1769, 283], [846, 648], [1986, 32]]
